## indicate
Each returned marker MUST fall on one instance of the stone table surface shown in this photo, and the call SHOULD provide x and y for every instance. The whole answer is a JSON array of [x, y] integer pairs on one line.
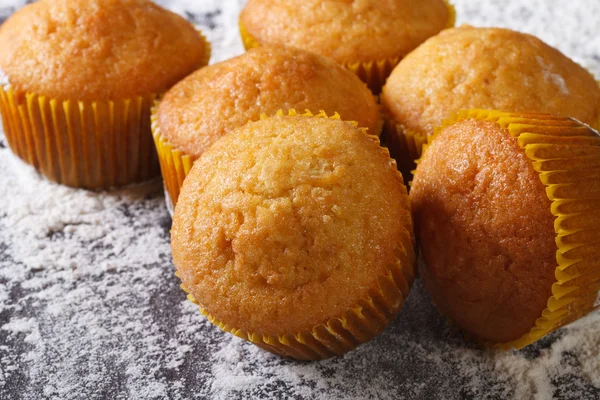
[[90, 308]]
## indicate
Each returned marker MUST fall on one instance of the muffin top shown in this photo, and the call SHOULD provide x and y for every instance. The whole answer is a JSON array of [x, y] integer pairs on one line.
[[487, 232], [98, 49], [488, 68], [216, 99], [287, 222], [347, 31]]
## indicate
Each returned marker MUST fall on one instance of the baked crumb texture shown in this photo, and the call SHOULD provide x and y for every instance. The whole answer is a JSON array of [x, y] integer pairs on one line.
[[214, 100], [368, 37], [488, 68], [294, 233], [83, 76], [507, 210]]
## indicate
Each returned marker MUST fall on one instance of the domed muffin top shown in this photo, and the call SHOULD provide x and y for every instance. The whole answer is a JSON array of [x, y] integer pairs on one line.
[[98, 49], [216, 99], [290, 221], [347, 31], [487, 68]]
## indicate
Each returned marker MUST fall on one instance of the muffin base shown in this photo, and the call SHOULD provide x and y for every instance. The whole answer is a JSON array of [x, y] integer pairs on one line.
[[359, 324], [374, 73], [175, 164], [566, 154], [85, 144]]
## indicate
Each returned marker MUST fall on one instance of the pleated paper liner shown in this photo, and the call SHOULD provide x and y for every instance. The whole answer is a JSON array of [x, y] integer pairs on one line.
[[338, 335], [405, 145], [566, 154], [359, 324], [374, 73], [86, 144], [249, 41], [175, 164]]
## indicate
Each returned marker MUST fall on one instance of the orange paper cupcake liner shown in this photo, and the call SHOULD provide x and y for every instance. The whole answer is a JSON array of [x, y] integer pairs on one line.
[[175, 164], [374, 73], [566, 154], [86, 144], [359, 324]]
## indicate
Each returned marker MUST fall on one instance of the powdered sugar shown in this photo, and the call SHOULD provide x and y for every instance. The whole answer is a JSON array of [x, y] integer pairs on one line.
[[90, 308]]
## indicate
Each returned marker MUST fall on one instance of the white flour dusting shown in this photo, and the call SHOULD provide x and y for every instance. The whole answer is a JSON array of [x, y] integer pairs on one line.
[[90, 308], [555, 78], [4, 82]]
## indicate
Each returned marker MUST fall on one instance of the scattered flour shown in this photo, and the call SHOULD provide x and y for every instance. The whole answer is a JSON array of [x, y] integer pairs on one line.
[[4, 82], [90, 308], [556, 79]]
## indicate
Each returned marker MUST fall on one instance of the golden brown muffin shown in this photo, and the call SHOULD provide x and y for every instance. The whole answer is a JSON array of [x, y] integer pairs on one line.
[[491, 68], [295, 233], [354, 33], [98, 49], [216, 99], [83, 75], [487, 223]]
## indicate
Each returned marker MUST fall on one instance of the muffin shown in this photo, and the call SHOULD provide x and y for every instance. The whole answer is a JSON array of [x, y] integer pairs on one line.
[[507, 214], [294, 233], [82, 77], [488, 68], [369, 36], [216, 99]]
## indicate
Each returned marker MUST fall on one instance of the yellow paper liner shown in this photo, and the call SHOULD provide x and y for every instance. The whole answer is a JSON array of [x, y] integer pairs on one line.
[[360, 323], [405, 145], [566, 154], [85, 144], [175, 164], [374, 73]]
